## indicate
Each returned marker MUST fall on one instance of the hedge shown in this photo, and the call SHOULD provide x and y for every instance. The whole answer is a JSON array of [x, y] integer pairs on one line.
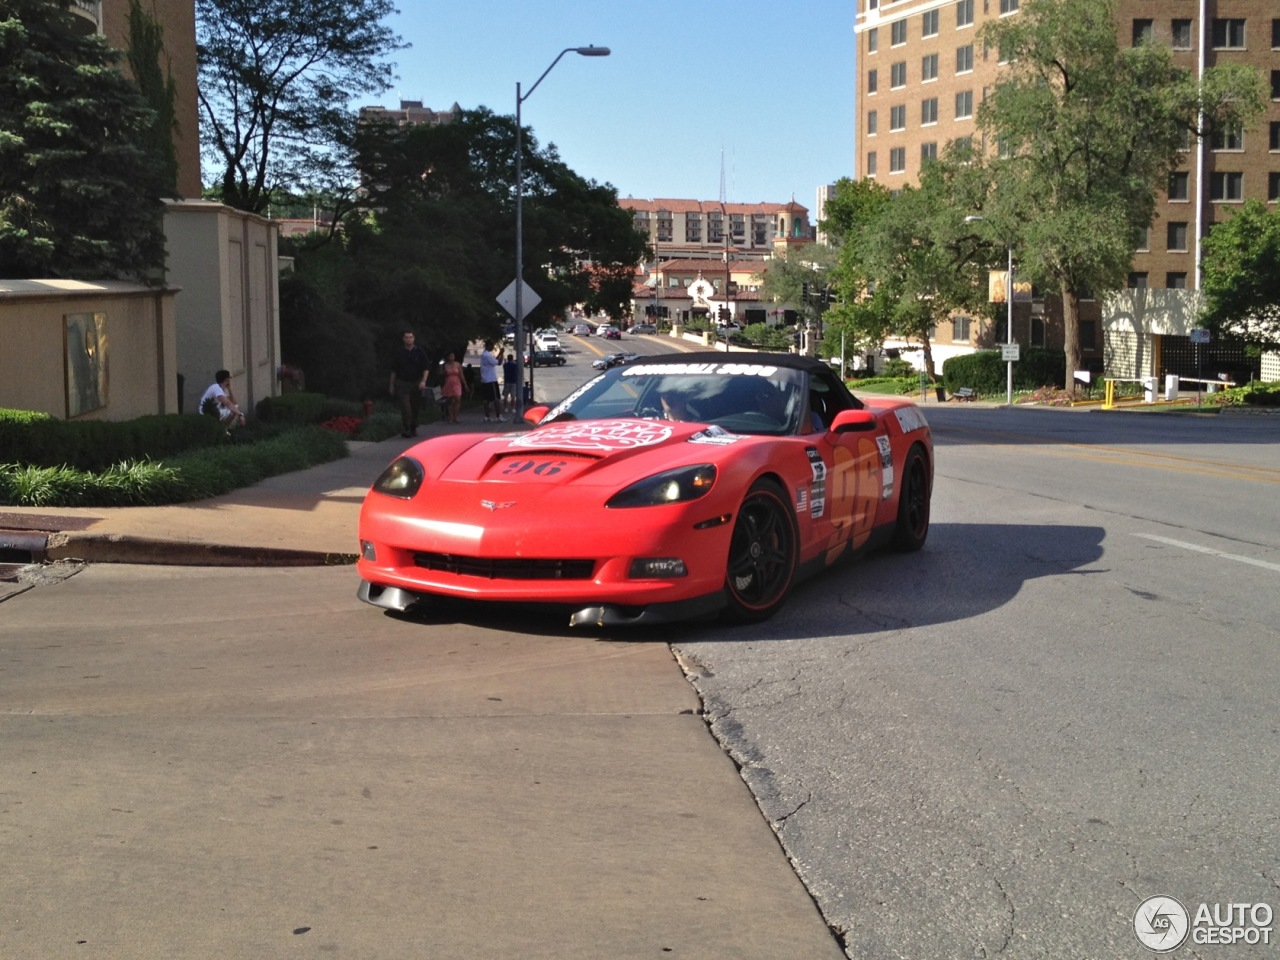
[[986, 373], [92, 445]]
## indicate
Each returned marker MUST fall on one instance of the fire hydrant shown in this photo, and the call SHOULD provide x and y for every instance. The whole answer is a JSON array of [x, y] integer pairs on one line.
[[368, 409]]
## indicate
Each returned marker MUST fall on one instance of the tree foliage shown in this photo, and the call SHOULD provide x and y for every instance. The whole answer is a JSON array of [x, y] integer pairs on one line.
[[907, 260], [79, 188], [1241, 279], [149, 66], [433, 244], [1087, 133], [277, 80]]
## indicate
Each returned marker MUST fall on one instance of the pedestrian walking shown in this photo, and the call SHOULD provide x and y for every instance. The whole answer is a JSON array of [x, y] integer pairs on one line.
[[408, 380], [509, 386], [490, 365]]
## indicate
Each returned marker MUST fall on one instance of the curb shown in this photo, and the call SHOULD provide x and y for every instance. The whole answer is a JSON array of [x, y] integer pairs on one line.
[[122, 548]]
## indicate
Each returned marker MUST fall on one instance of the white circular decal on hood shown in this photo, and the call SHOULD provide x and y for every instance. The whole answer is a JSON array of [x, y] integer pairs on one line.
[[607, 435]]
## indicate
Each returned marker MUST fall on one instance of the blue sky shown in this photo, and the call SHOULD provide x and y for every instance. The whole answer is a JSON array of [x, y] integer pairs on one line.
[[766, 84]]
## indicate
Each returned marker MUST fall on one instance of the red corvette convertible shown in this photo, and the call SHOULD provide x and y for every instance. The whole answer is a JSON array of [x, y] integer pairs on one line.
[[669, 488]]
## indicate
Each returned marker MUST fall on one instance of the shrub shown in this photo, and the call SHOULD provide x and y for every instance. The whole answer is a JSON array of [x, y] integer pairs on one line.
[[304, 408], [91, 445], [987, 373], [1256, 394], [190, 476]]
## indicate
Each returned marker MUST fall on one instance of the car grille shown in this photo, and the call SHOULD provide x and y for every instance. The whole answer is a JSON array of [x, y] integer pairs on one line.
[[512, 568]]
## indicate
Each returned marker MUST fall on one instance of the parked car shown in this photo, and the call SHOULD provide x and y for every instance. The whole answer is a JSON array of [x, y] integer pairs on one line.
[[668, 488]]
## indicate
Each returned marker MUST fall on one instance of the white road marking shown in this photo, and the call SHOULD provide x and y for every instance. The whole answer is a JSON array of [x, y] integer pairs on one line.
[[1213, 553]]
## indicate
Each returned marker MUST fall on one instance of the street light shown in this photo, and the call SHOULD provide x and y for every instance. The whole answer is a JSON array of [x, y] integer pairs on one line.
[[520, 99], [1008, 299]]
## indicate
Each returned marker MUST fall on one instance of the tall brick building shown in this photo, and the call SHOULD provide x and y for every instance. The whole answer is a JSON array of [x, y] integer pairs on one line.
[[922, 74]]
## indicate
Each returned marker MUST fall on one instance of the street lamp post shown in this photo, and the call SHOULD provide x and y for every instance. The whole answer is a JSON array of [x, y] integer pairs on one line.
[[521, 346], [1008, 299]]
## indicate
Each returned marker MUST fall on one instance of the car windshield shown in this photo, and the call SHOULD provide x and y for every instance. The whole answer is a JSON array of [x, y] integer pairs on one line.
[[746, 398]]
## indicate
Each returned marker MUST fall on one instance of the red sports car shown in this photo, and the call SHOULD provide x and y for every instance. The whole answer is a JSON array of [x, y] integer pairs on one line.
[[665, 489]]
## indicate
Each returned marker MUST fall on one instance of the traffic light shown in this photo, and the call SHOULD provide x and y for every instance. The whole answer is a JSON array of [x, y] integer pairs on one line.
[[804, 292]]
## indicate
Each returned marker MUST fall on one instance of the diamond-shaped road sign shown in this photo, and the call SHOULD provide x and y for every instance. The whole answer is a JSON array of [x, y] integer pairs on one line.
[[528, 299]]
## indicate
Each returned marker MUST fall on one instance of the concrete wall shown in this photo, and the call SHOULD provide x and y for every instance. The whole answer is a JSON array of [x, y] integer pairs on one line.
[[226, 263], [137, 349]]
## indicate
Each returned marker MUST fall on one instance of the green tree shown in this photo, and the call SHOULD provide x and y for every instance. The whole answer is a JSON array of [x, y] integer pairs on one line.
[[1086, 133], [802, 276], [277, 79], [432, 247], [1241, 279], [79, 189], [907, 260]]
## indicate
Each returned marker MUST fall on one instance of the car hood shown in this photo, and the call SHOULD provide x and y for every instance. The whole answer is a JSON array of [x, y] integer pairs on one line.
[[605, 452]]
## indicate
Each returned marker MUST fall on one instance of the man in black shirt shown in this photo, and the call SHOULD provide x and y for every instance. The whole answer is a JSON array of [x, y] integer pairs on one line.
[[408, 380]]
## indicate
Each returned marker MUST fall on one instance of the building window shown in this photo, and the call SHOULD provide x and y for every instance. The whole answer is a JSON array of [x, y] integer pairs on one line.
[[871, 164], [898, 33], [928, 151], [1275, 33], [1144, 241], [1143, 32], [1182, 34], [964, 58], [1088, 334], [1176, 281], [873, 39], [964, 13], [960, 329], [898, 75], [1008, 6], [1180, 186], [898, 160], [929, 67], [1137, 281], [1176, 235], [929, 23], [1226, 186], [872, 118], [1232, 139], [873, 80], [1228, 33], [964, 104], [929, 110], [1275, 135], [1275, 84], [898, 118], [1273, 186]]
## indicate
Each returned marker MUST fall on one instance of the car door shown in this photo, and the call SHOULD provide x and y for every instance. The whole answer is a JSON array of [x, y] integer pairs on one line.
[[855, 463]]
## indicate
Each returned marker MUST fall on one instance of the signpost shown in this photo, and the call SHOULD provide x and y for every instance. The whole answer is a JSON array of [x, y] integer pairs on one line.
[[1199, 336], [518, 299]]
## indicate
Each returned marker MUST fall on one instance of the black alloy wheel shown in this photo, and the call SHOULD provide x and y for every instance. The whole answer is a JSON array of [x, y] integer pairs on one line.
[[762, 555], [913, 504]]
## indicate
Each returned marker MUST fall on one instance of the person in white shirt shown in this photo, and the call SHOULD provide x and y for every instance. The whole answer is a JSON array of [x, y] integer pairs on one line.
[[490, 367], [218, 401]]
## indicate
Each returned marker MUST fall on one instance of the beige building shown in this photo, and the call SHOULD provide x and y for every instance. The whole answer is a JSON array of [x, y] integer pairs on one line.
[[922, 75], [410, 113], [115, 351]]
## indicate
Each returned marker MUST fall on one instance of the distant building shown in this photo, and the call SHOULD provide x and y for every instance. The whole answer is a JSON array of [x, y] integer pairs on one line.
[[704, 229], [410, 113], [825, 193]]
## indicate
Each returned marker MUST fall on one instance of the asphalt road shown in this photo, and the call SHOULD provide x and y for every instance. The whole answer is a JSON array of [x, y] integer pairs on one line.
[[1064, 705]]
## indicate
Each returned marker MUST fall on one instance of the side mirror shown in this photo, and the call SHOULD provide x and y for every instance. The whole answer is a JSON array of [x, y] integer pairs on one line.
[[853, 421], [534, 415]]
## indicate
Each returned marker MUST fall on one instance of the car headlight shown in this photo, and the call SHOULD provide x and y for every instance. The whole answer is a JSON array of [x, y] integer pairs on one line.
[[672, 486], [402, 479]]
